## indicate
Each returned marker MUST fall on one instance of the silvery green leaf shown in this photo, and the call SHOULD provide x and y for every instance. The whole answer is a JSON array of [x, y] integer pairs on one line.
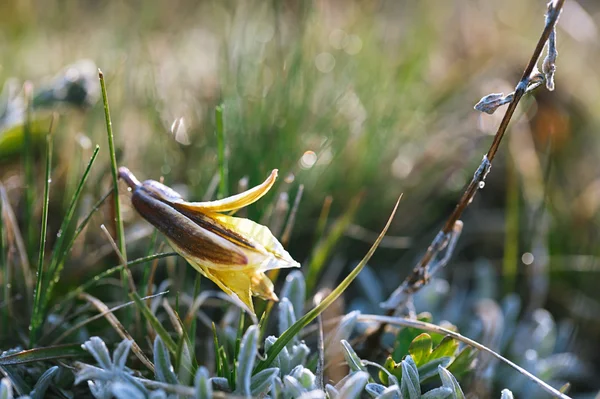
[[286, 317], [351, 357], [120, 354], [314, 394], [410, 385], [354, 385], [87, 373], [305, 377], [438, 393], [429, 369], [129, 379], [450, 382], [262, 381], [292, 387], [374, 389], [220, 383], [282, 360], [202, 384], [6, 391], [246, 359], [162, 363], [392, 392], [298, 355], [294, 290], [123, 390], [332, 392], [184, 373], [506, 394], [100, 389], [277, 388], [269, 341], [159, 394], [42, 384], [97, 348]]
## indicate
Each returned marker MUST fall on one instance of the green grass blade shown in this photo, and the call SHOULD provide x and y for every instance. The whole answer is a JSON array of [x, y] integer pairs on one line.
[[115, 181], [36, 315], [28, 171], [223, 170], [43, 354], [94, 280], [155, 323], [193, 322], [295, 328], [57, 260], [113, 168]]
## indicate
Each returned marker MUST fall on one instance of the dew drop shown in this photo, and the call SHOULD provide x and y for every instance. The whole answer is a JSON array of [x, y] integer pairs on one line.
[[527, 258], [308, 159], [481, 184]]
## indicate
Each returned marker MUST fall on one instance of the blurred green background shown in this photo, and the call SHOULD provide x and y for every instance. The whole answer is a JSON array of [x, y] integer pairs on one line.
[[348, 98]]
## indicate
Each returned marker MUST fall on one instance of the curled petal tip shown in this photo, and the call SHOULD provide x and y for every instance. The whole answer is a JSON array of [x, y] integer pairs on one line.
[[128, 177]]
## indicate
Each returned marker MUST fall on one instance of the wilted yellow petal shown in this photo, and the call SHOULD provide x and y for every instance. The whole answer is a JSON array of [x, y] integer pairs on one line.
[[260, 238], [230, 203], [231, 282], [262, 287]]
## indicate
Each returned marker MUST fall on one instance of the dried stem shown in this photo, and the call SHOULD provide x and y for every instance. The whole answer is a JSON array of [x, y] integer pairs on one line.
[[420, 274]]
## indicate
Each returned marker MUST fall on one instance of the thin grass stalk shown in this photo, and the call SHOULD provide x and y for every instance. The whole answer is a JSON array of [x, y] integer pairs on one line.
[[57, 260], [115, 184], [94, 280], [28, 171], [193, 322], [221, 153], [36, 316], [100, 315]]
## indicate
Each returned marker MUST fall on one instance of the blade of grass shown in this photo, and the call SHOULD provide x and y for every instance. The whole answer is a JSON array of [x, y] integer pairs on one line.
[[77, 326], [43, 354], [221, 153], [84, 223], [192, 321], [218, 365], [146, 277], [295, 328], [28, 171], [57, 259], [115, 184], [36, 316], [94, 280], [155, 323]]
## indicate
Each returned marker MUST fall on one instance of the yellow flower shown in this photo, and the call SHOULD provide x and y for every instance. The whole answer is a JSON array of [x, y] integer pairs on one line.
[[233, 252]]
